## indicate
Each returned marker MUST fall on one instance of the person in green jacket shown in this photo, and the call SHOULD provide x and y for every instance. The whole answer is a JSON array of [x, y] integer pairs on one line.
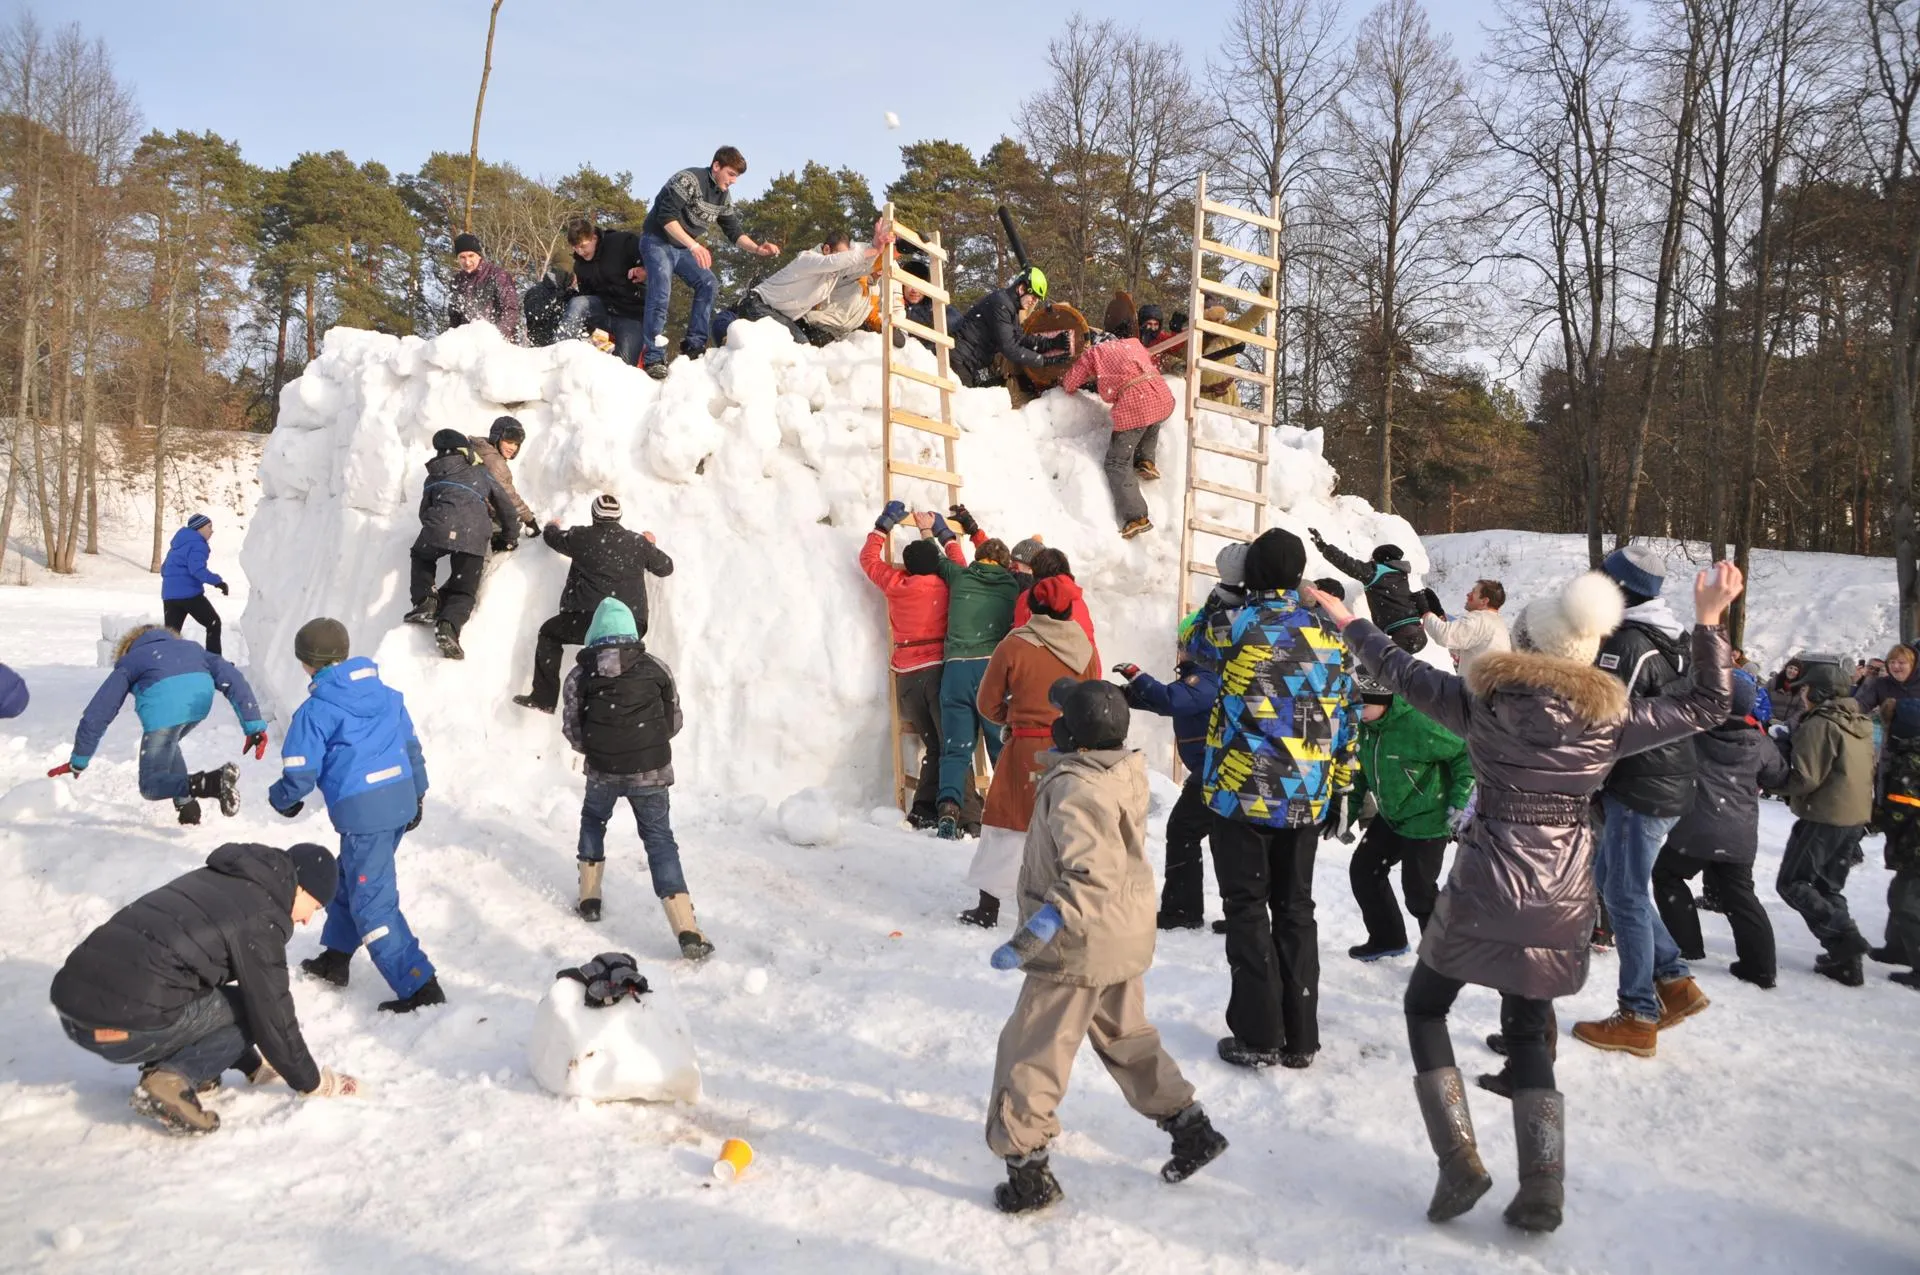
[[1420, 779]]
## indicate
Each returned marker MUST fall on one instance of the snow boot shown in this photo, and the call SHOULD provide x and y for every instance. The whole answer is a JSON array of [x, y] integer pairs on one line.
[[428, 993], [1220, 926], [920, 818], [1680, 999], [1178, 921], [166, 1098], [1540, 1140], [693, 944], [590, 874], [1293, 1060], [187, 812], [1371, 951], [985, 913], [1888, 955], [1906, 978], [1136, 527], [1740, 971], [1030, 1185], [1238, 1052], [1844, 970], [658, 371], [1463, 1179], [1146, 470], [947, 816], [528, 701], [1196, 1143], [425, 611], [448, 641], [1624, 1031], [223, 784], [329, 965]]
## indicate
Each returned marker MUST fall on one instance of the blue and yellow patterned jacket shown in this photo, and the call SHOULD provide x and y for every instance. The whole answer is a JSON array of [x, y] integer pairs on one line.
[[1282, 726]]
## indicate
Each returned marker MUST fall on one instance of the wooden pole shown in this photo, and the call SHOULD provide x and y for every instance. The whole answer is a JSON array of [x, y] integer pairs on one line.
[[479, 103]]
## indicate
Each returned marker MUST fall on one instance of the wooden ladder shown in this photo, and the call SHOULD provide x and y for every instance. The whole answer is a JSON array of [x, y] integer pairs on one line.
[[892, 277], [1265, 337]]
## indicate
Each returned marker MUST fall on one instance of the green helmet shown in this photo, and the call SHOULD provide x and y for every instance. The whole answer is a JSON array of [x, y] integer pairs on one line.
[[1035, 280]]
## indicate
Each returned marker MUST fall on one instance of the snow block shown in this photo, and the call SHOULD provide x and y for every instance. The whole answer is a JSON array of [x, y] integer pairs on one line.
[[809, 818], [636, 1050], [39, 801]]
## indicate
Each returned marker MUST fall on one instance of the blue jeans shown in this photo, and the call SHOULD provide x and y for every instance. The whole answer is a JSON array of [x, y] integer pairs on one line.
[[366, 909], [586, 313], [207, 1037], [961, 724], [1623, 869], [665, 261], [650, 811], [163, 767]]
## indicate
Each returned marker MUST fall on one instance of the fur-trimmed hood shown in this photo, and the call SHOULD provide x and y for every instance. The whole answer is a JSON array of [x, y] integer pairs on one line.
[[1591, 696]]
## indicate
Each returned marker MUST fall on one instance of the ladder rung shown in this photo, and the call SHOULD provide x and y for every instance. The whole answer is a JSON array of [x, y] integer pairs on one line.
[[902, 469], [1238, 453], [1242, 214], [913, 420], [925, 378], [1221, 529], [1260, 339], [1204, 568], [1221, 489], [1253, 414], [1238, 373], [1218, 289], [915, 282], [924, 332], [1238, 254], [913, 238]]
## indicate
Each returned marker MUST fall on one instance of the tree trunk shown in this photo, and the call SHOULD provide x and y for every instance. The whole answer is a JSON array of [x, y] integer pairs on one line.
[[1906, 284], [479, 103]]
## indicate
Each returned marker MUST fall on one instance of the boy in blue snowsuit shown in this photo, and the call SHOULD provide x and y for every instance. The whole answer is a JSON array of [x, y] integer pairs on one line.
[[172, 682], [185, 579], [352, 739]]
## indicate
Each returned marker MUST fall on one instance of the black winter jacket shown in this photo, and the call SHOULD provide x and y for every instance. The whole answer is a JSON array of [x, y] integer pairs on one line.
[[620, 709], [608, 562], [606, 275], [993, 327], [1389, 590], [228, 922], [1736, 760], [460, 504], [1653, 665]]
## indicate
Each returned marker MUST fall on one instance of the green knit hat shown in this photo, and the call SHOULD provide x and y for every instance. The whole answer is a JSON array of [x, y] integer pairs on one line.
[[612, 622]]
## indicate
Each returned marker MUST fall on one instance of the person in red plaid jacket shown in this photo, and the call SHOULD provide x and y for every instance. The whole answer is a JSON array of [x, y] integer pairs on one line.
[[1129, 382]]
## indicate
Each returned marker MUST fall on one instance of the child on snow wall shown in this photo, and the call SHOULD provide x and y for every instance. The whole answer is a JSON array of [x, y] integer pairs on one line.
[[980, 602], [1418, 773], [353, 740], [172, 682], [1830, 790], [1014, 698], [1085, 941], [1389, 591], [459, 505], [1898, 815], [1130, 383], [1543, 726], [185, 577], [620, 711]]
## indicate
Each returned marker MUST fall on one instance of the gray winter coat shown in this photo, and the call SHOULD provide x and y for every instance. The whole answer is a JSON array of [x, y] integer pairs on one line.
[[1723, 824], [1518, 908]]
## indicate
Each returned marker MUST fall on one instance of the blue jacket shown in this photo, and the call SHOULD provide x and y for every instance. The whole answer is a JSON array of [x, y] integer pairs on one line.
[[1188, 700], [13, 693], [1762, 702], [353, 739], [184, 574], [172, 681]]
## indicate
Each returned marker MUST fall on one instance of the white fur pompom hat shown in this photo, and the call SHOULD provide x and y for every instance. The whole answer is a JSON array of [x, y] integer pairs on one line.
[[1571, 623]]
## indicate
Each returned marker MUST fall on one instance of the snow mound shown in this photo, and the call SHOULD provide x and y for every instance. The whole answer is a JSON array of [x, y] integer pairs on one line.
[[758, 468], [810, 818], [635, 1050], [39, 801]]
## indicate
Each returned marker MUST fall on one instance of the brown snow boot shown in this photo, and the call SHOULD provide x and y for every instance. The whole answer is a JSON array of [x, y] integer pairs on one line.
[[166, 1097], [1540, 1141], [590, 873], [693, 944], [1463, 1179], [1680, 999], [1623, 1030]]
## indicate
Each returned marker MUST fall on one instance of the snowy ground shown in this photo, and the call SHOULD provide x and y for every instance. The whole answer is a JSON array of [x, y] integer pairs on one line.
[[1774, 1133]]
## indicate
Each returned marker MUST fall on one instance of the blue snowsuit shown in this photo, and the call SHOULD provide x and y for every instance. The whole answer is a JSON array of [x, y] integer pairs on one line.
[[352, 739], [172, 682], [184, 574]]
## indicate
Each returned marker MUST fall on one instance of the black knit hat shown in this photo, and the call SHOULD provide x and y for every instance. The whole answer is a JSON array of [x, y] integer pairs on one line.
[[1275, 561], [321, 642], [506, 430], [1388, 553], [449, 440], [315, 870], [467, 243], [921, 558], [1372, 690], [1331, 587]]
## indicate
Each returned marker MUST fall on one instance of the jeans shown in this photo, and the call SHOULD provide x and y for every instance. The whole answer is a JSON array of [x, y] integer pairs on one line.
[[462, 589], [666, 260], [1733, 882], [366, 909], [1623, 869], [1273, 942], [960, 725], [206, 1038], [1527, 1025], [569, 628], [176, 611], [650, 812], [587, 313], [1813, 881], [1128, 448], [1183, 893], [1372, 866], [163, 767]]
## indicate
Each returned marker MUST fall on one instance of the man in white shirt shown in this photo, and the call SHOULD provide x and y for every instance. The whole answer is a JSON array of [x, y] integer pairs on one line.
[[818, 296], [1480, 630]]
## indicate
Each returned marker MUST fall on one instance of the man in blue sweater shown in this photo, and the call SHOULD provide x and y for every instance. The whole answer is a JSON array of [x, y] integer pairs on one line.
[[185, 577], [353, 740], [172, 682]]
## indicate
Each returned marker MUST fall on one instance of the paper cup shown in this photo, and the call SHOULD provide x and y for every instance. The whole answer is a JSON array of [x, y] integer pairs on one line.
[[735, 1156]]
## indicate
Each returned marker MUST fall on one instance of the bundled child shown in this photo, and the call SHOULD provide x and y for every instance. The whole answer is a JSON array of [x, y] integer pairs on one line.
[[1130, 383], [621, 711], [1390, 596], [1086, 940], [980, 600], [1898, 815], [353, 740]]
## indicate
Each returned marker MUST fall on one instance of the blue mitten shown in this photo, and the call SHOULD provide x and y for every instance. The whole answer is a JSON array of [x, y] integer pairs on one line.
[[941, 531], [1029, 942], [890, 517]]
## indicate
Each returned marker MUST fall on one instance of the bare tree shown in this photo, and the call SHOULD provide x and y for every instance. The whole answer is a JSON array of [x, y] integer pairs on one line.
[[479, 104], [1157, 131], [1067, 129]]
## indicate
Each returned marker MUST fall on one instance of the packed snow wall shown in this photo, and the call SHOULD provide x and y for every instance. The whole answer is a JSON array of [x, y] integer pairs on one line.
[[758, 469]]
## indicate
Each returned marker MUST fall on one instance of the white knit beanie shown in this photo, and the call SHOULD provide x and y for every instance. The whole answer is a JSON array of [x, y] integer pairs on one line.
[[1572, 622]]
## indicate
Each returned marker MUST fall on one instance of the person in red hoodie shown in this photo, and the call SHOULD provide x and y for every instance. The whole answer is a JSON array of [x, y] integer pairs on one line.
[[917, 616], [1048, 563]]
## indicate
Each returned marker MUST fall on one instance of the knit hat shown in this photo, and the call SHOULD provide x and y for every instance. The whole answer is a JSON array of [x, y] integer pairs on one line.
[[1636, 569], [612, 622], [1825, 681], [1149, 314], [198, 521], [506, 430], [606, 507], [1331, 587], [1746, 693], [1055, 596], [1387, 553], [449, 440], [921, 558], [1024, 551], [919, 267], [315, 870], [466, 243], [1092, 714], [1275, 561], [321, 642], [1372, 690], [1571, 622], [1231, 563]]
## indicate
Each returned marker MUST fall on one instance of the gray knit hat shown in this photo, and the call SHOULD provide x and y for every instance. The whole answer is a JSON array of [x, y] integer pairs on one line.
[[1231, 563], [321, 642], [1024, 551]]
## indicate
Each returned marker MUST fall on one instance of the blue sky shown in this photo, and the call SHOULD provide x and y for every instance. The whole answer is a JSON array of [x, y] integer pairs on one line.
[[577, 83]]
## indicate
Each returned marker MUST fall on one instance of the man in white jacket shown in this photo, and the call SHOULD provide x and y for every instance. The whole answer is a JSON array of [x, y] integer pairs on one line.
[[819, 296], [1480, 630]]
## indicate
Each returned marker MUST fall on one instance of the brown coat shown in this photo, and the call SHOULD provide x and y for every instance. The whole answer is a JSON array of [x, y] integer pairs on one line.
[[489, 455], [1517, 911], [1013, 692], [1086, 854]]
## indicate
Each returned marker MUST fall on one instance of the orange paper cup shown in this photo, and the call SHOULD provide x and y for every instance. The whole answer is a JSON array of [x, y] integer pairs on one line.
[[735, 1156]]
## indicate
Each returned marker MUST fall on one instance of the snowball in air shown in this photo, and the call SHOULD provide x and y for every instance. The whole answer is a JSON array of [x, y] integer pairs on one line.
[[893, 121]]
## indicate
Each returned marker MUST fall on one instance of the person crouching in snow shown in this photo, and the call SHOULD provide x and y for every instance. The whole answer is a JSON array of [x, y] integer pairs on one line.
[[352, 739], [1131, 384], [1543, 727], [459, 506], [185, 578], [1085, 941], [620, 711], [1013, 697], [1389, 591], [172, 682], [189, 981]]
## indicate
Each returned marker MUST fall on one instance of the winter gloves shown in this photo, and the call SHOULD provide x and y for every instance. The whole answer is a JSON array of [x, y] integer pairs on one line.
[[72, 766], [419, 811], [290, 811], [966, 520], [892, 516], [530, 527], [1128, 671], [333, 1084], [225, 592], [256, 739], [1030, 941], [941, 531]]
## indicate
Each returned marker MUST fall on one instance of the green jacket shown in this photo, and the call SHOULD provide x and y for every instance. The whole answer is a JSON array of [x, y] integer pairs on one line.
[[1416, 769], [980, 602], [1832, 777]]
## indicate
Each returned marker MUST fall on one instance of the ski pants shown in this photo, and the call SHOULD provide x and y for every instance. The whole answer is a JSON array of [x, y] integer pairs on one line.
[[652, 814], [1903, 917], [1035, 1059], [1623, 869], [1527, 1024], [177, 611], [1733, 883], [1813, 880], [163, 767], [205, 1038], [961, 723], [1188, 823], [1369, 873], [569, 628], [366, 909], [1127, 448], [459, 593], [1273, 942]]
